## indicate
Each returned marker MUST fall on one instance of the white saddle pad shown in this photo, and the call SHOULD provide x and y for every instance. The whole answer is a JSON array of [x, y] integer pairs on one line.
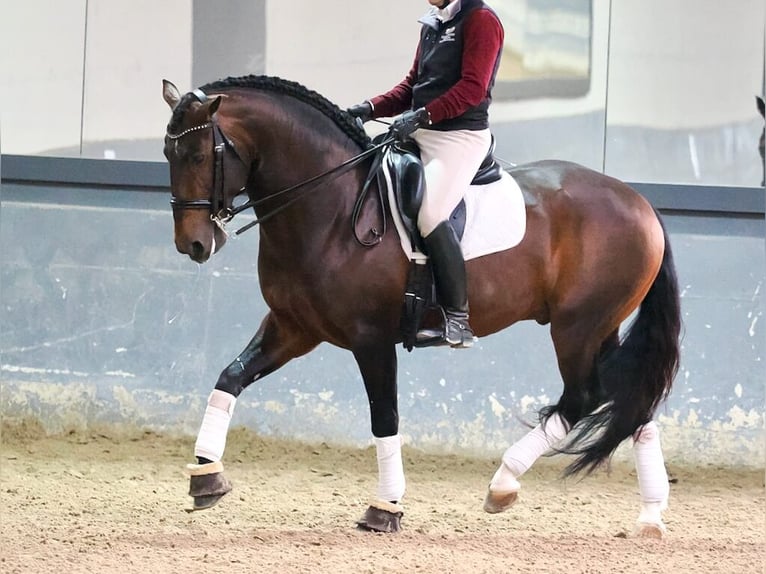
[[496, 218]]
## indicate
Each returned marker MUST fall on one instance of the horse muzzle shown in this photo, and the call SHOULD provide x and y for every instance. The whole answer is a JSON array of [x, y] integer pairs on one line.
[[200, 247]]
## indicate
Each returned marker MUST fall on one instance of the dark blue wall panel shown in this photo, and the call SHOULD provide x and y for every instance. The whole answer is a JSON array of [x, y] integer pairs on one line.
[[103, 321]]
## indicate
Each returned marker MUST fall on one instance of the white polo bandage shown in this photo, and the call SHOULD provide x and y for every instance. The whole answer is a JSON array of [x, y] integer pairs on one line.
[[650, 465], [523, 453], [390, 469], [211, 440]]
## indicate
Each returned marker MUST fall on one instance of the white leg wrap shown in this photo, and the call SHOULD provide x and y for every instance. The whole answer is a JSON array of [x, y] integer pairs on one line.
[[650, 467], [522, 454], [390, 468], [211, 440]]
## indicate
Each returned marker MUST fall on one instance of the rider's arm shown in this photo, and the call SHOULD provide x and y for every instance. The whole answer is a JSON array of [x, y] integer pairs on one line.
[[483, 40]]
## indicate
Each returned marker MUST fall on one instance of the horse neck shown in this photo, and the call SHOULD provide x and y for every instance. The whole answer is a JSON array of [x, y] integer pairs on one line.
[[288, 151]]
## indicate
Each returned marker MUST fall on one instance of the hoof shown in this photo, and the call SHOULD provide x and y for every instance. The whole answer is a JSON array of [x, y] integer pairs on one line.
[[207, 485], [496, 502], [381, 517], [650, 530], [204, 502]]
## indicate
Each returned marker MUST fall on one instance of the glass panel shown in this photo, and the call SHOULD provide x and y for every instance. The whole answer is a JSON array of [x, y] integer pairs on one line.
[[546, 50], [550, 95], [42, 45], [682, 81], [131, 47]]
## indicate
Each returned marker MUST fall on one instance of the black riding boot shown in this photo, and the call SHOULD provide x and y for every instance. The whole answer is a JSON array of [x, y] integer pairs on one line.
[[443, 249]]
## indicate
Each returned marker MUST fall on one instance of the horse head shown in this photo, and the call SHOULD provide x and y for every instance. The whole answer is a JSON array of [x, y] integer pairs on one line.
[[206, 172]]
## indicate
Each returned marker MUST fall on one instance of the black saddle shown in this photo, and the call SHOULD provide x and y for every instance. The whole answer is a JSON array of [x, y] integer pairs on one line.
[[406, 172]]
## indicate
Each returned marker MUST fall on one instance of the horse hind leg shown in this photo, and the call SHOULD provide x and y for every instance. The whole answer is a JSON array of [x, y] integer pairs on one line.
[[576, 368], [653, 484], [589, 401], [504, 487]]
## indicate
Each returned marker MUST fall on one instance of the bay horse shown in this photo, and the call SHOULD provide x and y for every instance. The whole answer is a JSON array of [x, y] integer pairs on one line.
[[594, 252]]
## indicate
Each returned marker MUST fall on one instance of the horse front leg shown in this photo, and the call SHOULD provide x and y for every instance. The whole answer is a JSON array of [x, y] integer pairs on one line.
[[275, 343], [377, 364]]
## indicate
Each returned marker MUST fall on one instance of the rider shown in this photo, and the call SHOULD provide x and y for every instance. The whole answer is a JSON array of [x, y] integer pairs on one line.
[[443, 102]]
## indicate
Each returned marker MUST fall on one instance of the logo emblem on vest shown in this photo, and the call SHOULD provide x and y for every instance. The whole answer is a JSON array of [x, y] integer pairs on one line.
[[448, 36]]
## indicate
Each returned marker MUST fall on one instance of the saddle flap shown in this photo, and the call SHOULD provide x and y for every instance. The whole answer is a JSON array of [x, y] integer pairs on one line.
[[407, 178]]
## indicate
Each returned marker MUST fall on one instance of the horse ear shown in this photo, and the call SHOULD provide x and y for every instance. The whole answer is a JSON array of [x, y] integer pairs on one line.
[[759, 104], [213, 106], [170, 94]]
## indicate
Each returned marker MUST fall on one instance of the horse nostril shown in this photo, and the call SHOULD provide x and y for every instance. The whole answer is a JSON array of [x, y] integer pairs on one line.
[[197, 250]]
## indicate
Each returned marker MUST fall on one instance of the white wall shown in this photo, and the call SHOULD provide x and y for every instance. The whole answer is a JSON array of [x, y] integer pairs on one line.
[[131, 47], [41, 46], [685, 63], [674, 64], [346, 50]]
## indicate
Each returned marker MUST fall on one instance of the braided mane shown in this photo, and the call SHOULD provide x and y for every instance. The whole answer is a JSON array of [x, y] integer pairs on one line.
[[280, 86]]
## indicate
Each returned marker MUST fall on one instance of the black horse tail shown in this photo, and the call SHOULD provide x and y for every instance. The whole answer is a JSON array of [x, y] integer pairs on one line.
[[633, 378]]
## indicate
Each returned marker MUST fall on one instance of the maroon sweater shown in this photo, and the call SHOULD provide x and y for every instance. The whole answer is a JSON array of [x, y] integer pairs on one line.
[[482, 42]]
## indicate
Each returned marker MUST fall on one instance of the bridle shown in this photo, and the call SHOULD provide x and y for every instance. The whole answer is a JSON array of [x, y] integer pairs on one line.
[[219, 203]]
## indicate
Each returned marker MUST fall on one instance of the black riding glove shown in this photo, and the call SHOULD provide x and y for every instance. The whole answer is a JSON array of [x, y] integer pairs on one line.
[[362, 111], [410, 121]]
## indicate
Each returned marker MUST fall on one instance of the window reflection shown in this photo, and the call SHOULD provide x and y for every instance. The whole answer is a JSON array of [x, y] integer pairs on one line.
[[547, 51], [551, 90]]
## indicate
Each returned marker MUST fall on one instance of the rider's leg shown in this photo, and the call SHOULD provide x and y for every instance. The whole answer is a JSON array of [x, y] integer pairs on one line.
[[443, 249], [450, 160]]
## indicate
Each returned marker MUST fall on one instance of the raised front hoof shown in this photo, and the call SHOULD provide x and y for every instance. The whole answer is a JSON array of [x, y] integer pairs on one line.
[[496, 502], [207, 484], [650, 530], [381, 517]]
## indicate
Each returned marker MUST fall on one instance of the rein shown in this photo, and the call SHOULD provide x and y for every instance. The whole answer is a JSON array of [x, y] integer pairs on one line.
[[218, 204], [328, 175]]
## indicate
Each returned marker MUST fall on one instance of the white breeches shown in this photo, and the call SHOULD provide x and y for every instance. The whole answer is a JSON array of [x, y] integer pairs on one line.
[[450, 160]]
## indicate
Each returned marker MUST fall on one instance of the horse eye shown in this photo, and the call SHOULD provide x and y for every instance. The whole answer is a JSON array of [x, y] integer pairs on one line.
[[198, 158]]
